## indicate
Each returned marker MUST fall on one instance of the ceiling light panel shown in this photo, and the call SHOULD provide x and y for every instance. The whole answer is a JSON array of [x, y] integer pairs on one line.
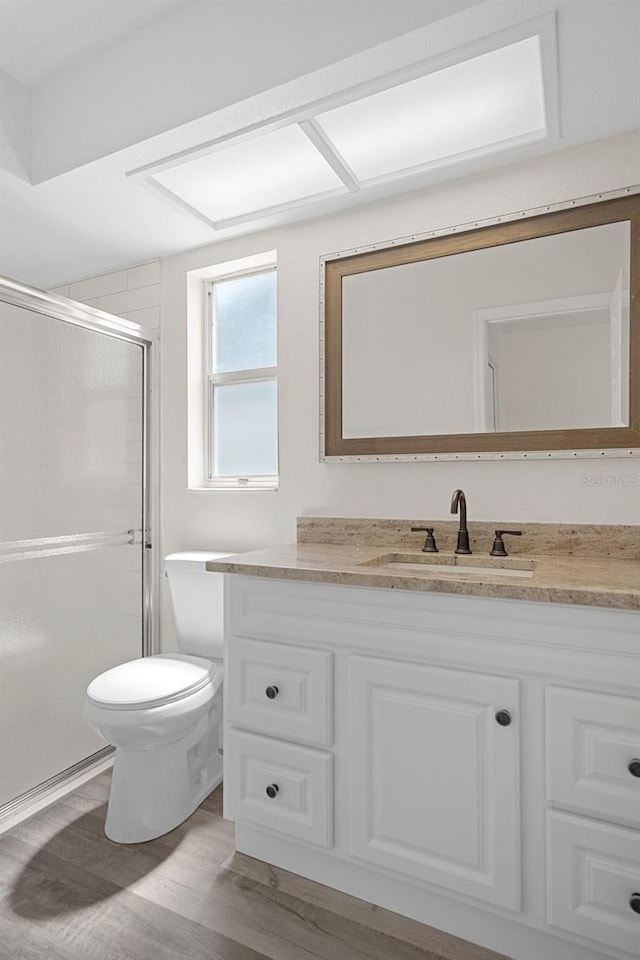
[[470, 107], [245, 178]]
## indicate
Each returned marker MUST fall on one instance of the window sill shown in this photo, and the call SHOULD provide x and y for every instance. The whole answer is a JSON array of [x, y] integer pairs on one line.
[[233, 485]]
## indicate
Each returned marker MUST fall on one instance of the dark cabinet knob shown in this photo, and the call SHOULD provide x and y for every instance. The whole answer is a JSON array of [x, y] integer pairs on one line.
[[272, 790], [272, 692], [634, 902], [503, 717], [634, 767]]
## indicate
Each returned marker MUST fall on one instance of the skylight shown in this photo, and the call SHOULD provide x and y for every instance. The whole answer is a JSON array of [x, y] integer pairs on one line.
[[466, 107], [274, 169], [474, 108]]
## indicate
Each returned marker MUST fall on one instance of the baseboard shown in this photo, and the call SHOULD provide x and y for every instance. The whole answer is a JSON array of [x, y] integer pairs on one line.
[[31, 802]]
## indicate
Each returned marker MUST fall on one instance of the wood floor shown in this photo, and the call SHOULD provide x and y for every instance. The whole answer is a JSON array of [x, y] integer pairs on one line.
[[68, 893]]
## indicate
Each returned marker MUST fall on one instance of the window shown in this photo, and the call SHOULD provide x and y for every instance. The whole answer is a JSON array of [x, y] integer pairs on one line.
[[242, 392]]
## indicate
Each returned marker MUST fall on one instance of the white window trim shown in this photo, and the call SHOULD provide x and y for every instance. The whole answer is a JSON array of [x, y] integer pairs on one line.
[[211, 380]]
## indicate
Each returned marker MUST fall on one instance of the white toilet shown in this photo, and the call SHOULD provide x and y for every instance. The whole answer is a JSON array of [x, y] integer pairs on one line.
[[163, 713]]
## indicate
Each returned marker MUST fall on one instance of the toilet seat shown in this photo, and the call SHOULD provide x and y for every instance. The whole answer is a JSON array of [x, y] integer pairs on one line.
[[153, 681]]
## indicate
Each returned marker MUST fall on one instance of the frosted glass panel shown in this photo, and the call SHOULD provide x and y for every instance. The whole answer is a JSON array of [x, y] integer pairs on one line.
[[244, 323], [245, 429], [71, 457], [71, 428], [63, 620], [241, 178], [479, 103]]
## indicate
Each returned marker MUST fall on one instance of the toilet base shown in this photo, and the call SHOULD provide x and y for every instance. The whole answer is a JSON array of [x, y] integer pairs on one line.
[[143, 807], [155, 790]]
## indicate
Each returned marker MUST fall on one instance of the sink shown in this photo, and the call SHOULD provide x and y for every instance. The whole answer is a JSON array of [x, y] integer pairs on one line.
[[458, 570], [460, 567]]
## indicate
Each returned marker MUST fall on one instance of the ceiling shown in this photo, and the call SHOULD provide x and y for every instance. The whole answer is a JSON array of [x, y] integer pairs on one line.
[[45, 37], [93, 89]]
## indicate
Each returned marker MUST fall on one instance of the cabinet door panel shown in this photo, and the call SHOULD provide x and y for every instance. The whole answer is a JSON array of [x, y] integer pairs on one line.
[[593, 869], [434, 777], [592, 740]]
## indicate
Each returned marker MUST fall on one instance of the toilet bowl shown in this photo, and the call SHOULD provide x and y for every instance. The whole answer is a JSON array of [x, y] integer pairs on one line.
[[163, 713]]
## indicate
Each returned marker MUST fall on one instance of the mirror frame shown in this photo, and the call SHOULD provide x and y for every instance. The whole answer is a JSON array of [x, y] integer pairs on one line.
[[563, 218]]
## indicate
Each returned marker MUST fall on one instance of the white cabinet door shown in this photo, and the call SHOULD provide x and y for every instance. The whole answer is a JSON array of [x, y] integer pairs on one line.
[[593, 754], [593, 880], [434, 777]]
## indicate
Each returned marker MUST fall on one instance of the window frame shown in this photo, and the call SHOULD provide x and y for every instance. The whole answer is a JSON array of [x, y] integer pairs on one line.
[[244, 375]]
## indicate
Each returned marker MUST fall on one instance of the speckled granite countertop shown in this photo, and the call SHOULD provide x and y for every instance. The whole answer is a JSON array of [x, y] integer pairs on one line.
[[571, 579]]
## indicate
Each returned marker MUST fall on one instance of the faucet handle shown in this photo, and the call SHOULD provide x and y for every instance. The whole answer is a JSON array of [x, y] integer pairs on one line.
[[498, 548], [430, 540]]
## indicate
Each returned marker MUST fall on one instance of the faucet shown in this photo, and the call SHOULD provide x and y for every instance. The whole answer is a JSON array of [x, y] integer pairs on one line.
[[459, 499]]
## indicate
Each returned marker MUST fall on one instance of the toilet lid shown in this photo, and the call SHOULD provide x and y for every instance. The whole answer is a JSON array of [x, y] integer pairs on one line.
[[152, 681]]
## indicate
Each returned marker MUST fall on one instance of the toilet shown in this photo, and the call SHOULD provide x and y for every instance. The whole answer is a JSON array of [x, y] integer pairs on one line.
[[163, 713]]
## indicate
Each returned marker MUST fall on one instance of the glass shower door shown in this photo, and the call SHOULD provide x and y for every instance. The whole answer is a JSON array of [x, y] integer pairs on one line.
[[72, 517]]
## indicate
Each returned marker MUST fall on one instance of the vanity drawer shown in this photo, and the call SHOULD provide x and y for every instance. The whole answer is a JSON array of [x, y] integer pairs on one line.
[[592, 740], [279, 786], [280, 689], [593, 870]]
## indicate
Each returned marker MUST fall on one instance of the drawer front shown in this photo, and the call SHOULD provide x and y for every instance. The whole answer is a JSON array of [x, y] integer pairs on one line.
[[280, 690], [592, 741], [279, 786], [593, 870]]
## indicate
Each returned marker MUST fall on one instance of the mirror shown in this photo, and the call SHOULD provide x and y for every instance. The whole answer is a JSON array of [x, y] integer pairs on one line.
[[512, 337]]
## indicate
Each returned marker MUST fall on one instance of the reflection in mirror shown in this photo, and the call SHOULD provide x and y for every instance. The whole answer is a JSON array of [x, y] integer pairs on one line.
[[554, 364], [524, 336], [515, 336]]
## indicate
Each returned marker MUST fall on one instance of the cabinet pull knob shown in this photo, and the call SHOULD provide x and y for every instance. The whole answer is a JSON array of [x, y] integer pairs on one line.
[[634, 902], [503, 717], [272, 692], [634, 769], [272, 791]]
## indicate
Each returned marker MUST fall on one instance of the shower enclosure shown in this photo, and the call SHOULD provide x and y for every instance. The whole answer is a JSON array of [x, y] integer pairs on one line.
[[74, 527]]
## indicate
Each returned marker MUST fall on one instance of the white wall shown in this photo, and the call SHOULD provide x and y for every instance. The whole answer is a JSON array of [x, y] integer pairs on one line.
[[508, 491], [561, 491], [134, 293]]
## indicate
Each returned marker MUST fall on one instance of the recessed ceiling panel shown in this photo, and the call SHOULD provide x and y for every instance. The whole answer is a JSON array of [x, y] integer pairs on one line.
[[470, 106], [257, 174]]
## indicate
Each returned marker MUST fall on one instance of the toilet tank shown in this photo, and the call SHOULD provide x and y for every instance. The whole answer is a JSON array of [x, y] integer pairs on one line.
[[196, 597]]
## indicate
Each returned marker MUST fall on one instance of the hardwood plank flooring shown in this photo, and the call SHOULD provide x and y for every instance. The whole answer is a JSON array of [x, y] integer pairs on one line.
[[68, 893]]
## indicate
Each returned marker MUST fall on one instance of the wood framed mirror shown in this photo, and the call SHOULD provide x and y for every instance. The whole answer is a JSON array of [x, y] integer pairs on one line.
[[522, 335]]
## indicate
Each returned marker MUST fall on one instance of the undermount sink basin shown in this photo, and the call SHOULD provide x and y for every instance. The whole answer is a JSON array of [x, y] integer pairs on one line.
[[453, 566]]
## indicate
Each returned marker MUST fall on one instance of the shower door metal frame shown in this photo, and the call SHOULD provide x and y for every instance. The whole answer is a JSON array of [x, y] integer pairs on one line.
[[59, 308]]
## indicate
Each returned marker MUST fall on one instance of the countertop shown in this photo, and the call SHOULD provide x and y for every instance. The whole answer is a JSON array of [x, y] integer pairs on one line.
[[588, 581]]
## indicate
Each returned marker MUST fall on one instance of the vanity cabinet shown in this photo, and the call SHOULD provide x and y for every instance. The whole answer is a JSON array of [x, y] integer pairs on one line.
[[464, 761]]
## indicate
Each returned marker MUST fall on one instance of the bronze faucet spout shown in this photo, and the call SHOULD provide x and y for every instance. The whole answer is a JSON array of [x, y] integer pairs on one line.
[[458, 500]]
